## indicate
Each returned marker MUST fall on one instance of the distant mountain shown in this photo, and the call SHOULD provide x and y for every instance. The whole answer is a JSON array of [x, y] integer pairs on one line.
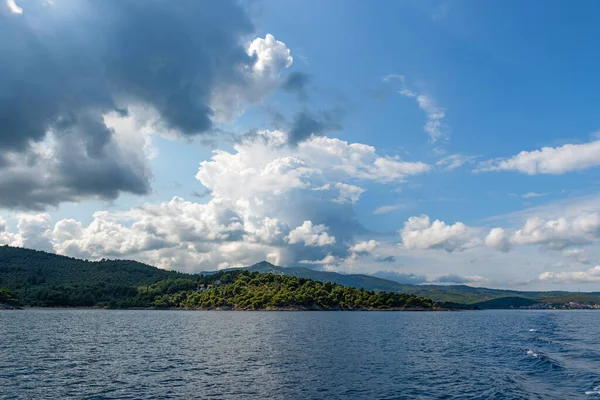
[[358, 281], [451, 293]]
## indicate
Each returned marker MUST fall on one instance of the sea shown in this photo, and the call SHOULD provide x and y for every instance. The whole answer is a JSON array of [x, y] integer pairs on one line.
[[135, 354]]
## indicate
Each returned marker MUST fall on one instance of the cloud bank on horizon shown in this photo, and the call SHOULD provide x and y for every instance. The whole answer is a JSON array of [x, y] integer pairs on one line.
[[102, 101]]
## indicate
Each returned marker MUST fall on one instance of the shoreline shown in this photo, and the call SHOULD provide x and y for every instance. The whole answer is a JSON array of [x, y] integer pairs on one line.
[[234, 309], [5, 307]]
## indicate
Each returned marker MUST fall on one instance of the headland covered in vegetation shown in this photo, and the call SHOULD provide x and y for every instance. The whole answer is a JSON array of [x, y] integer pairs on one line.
[[39, 279]]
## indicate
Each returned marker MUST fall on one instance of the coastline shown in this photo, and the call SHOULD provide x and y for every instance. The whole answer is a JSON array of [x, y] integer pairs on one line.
[[234, 309], [6, 307]]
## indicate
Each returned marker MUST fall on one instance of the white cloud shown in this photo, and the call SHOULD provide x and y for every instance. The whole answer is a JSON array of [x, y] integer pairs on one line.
[[192, 237], [498, 239], [175, 234], [358, 160], [269, 201], [5, 236], [393, 77], [347, 193], [34, 231], [435, 126], [388, 169], [328, 261], [264, 164], [386, 209], [66, 230], [549, 160], [310, 235], [133, 132], [435, 116], [421, 233], [13, 7], [559, 233], [272, 56], [592, 275], [364, 247], [261, 79], [530, 195], [226, 265], [454, 161]]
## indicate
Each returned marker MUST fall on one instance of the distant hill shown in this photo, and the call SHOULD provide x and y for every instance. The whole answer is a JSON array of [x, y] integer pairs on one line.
[[358, 281], [24, 267], [37, 278], [461, 294], [506, 302]]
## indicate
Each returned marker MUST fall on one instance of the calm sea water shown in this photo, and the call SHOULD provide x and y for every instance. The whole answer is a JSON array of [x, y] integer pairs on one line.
[[96, 354]]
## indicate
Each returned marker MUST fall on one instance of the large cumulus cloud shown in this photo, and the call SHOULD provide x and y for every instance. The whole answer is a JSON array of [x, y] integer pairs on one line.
[[289, 205], [75, 63]]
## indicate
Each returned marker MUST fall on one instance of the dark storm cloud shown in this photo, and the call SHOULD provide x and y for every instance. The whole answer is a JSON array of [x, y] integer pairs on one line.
[[296, 83], [306, 123], [67, 64], [77, 170]]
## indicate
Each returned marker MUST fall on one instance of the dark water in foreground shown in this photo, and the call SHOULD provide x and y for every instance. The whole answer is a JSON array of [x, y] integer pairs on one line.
[[95, 354]]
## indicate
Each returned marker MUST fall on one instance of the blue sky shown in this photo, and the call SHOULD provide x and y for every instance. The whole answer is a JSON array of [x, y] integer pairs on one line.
[[441, 141], [511, 77]]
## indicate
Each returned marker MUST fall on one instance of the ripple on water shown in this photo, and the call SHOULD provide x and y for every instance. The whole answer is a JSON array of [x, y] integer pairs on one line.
[[545, 359], [594, 392], [154, 354]]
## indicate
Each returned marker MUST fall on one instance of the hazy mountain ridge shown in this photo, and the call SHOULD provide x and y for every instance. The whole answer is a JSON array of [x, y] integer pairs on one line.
[[444, 293]]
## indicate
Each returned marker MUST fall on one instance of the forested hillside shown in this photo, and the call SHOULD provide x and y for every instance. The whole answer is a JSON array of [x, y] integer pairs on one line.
[[35, 278], [38, 278], [24, 267]]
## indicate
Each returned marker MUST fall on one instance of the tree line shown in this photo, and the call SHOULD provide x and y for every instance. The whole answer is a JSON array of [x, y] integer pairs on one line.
[[238, 289]]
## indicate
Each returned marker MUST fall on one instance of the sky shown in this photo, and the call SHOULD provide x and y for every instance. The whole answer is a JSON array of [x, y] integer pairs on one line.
[[428, 142]]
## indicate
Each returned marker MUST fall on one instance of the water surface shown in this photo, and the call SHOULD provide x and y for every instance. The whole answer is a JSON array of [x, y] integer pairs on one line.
[[101, 354]]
